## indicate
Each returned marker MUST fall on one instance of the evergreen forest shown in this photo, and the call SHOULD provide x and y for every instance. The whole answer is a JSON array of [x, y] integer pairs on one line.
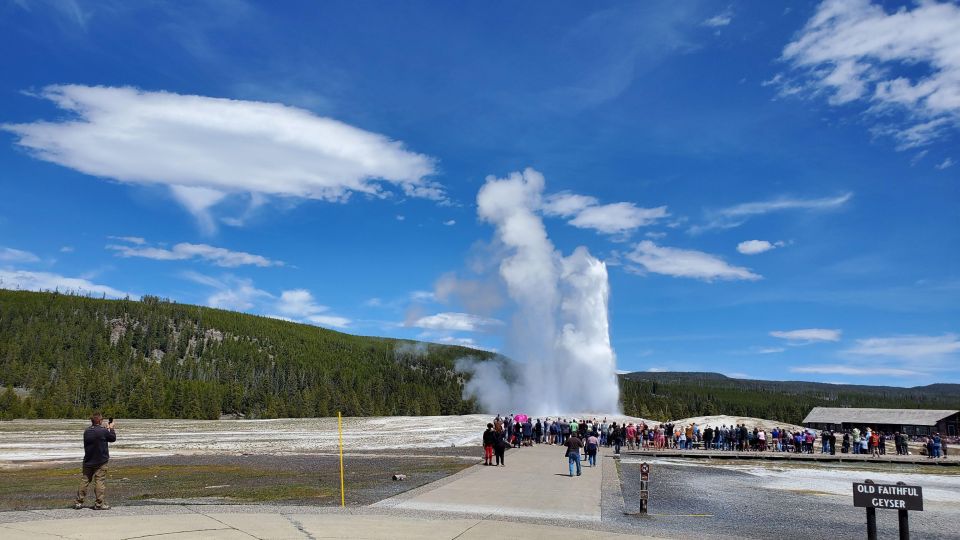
[[64, 355]]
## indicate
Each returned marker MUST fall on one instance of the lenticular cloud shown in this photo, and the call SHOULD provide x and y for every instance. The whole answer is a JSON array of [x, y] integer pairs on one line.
[[560, 331], [205, 148]]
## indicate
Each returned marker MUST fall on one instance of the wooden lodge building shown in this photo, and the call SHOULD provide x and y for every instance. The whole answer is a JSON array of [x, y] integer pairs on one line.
[[909, 421]]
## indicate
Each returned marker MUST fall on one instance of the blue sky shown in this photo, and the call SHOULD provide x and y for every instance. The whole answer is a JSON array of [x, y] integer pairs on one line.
[[774, 190]]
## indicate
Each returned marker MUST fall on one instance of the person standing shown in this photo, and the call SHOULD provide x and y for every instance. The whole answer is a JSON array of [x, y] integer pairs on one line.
[[573, 444], [875, 444], [593, 444], [499, 445], [488, 437], [96, 454]]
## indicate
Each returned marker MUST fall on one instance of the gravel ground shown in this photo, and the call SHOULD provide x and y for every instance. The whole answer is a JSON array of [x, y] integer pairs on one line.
[[709, 501]]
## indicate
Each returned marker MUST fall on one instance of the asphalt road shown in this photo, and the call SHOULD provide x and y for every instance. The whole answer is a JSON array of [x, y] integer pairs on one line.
[[714, 502]]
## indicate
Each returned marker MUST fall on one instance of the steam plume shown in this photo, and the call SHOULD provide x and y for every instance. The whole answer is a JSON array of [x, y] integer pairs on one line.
[[560, 332]]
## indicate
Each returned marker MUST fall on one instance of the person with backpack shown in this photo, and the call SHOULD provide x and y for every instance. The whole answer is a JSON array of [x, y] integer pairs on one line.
[[593, 443], [573, 446]]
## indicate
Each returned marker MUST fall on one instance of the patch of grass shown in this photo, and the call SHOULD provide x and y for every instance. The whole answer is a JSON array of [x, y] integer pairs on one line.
[[261, 479]]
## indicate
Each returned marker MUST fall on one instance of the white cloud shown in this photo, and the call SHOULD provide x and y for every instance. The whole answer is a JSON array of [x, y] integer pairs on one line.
[[753, 247], [911, 347], [401, 218], [10, 255], [45, 281], [206, 148], [186, 251], [460, 322], [585, 212], [770, 350], [734, 216], [719, 20], [422, 296], [945, 164], [808, 335], [450, 222], [240, 294], [567, 204], [827, 369], [617, 218], [686, 263], [130, 239], [67, 249], [908, 60]]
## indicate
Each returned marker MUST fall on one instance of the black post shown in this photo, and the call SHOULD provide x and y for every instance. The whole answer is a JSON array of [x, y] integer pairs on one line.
[[904, 521], [871, 524], [904, 525], [871, 519]]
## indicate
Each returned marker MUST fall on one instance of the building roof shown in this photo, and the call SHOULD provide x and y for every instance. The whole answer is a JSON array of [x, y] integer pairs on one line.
[[906, 417]]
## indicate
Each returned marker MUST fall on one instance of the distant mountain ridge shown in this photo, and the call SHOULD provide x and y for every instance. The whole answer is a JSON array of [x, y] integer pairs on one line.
[[668, 395], [705, 376]]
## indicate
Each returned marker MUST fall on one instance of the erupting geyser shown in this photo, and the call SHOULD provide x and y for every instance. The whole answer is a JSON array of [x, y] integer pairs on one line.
[[559, 333]]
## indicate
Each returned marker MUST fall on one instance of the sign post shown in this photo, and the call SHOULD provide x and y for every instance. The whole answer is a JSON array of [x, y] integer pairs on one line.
[[899, 496], [340, 436], [644, 479]]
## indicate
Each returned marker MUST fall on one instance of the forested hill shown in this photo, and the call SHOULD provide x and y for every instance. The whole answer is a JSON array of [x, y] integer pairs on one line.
[[674, 395], [64, 355]]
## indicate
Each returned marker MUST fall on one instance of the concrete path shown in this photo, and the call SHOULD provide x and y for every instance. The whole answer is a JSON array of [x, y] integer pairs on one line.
[[251, 523], [532, 497], [535, 483]]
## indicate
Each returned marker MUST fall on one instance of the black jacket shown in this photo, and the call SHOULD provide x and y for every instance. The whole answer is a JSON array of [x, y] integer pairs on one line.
[[95, 450], [488, 437]]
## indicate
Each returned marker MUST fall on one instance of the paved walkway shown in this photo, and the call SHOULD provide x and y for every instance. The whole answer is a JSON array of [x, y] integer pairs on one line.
[[275, 526], [532, 497], [535, 483]]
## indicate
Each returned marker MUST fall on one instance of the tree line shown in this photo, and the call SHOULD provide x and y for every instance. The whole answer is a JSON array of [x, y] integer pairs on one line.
[[670, 396], [63, 355]]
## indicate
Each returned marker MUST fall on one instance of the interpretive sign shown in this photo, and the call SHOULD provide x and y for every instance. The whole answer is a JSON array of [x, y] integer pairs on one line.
[[887, 496], [644, 482]]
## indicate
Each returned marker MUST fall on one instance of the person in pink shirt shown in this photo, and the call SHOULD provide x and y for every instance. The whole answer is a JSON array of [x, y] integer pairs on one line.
[[631, 435]]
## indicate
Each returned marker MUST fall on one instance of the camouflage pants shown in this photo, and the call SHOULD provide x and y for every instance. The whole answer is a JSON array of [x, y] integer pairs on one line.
[[96, 474]]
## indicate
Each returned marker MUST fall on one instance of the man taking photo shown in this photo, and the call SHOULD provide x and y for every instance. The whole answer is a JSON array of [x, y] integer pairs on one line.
[[96, 454]]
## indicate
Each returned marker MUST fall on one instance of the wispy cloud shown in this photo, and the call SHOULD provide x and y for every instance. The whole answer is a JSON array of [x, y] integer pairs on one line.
[[895, 356], [734, 216], [721, 19], [238, 147], [808, 335], [300, 305], [869, 371], [687, 263], [945, 164], [457, 322], [186, 251], [585, 212], [46, 281], [11, 255], [911, 347], [906, 61], [240, 294]]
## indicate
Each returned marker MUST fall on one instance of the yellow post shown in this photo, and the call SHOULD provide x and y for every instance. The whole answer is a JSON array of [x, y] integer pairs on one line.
[[340, 431]]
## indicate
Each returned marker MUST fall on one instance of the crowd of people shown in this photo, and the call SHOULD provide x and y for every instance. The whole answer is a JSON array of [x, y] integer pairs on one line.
[[519, 430]]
